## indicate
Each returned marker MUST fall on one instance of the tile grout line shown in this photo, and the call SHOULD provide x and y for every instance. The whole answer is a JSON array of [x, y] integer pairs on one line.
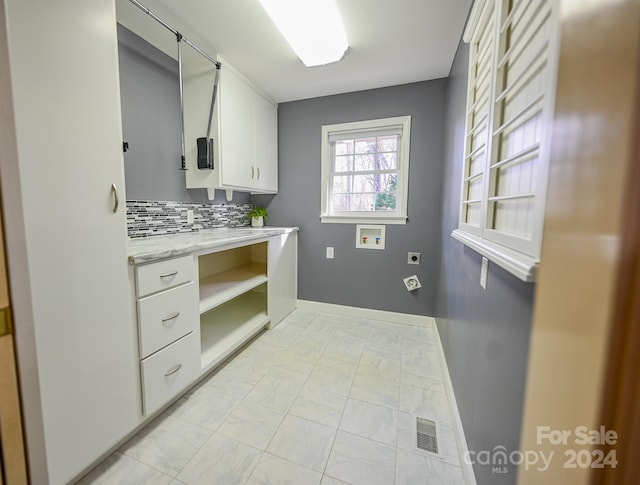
[[327, 332], [298, 395], [204, 383], [285, 413], [342, 415]]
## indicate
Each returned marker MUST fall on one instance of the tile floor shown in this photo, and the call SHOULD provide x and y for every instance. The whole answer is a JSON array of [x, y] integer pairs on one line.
[[321, 399]]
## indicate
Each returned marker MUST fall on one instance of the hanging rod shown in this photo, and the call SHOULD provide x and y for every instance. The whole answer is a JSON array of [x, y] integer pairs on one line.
[[178, 35]]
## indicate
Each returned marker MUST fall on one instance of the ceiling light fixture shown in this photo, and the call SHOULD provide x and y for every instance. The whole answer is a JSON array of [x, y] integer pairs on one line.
[[313, 28]]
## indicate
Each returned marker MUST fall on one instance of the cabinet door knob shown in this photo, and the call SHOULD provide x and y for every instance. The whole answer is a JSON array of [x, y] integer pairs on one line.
[[258, 169], [173, 371], [172, 317], [253, 170], [116, 201]]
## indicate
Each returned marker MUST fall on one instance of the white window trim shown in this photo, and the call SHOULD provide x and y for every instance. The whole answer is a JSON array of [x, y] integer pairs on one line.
[[518, 264], [399, 216], [519, 257]]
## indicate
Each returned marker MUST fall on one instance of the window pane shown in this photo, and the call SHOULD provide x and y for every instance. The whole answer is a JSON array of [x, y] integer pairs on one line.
[[354, 183], [386, 186], [362, 202], [377, 183], [388, 143], [344, 163], [385, 202], [344, 147], [353, 202], [386, 182], [365, 162], [386, 161], [341, 202], [342, 184], [366, 145]]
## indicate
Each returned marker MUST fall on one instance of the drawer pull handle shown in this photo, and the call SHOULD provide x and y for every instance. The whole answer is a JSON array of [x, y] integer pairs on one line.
[[173, 371], [172, 317], [116, 202], [168, 275]]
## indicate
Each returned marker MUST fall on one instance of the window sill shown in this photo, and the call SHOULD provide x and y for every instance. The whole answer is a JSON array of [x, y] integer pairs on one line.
[[363, 219], [521, 266]]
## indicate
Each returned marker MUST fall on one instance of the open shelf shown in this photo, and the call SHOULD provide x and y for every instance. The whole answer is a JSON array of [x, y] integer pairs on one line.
[[222, 287], [226, 328]]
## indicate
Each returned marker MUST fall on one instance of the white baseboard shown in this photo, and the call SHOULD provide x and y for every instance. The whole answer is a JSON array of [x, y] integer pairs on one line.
[[461, 440], [351, 311]]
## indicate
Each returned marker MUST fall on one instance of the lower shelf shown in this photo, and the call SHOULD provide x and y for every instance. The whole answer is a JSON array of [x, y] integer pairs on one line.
[[226, 328]]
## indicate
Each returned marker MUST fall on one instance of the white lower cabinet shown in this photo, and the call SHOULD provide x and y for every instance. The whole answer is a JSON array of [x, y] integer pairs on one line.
[[193, 312], [151, 278], [169, 371], [233, 303], [168, 329], [165, 317], [283, 276]]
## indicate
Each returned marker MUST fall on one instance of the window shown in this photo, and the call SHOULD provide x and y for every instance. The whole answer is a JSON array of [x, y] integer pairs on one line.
[[512, 71], [365, 168]]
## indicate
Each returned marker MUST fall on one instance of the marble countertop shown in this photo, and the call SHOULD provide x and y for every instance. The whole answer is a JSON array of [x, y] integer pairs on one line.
[[145, 249]]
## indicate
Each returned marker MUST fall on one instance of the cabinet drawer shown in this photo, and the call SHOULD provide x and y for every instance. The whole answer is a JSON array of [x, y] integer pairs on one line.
[[155, 277], [169, 371], [165, 317]]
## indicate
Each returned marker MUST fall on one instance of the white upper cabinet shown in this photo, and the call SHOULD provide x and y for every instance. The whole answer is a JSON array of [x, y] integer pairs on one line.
[[236, 131], [266, 144], [245, 133]]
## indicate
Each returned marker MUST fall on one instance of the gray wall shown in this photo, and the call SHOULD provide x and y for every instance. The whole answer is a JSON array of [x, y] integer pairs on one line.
[[150, 100], [359, 277], [485, 333]]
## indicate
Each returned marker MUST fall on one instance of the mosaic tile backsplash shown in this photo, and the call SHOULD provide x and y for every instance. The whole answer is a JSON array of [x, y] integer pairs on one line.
[[155, 218]]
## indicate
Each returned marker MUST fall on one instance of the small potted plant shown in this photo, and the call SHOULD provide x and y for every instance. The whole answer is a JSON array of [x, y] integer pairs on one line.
[[257, 215]]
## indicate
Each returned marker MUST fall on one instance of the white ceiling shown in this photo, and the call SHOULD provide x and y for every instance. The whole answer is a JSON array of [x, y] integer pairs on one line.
[[390, 42]]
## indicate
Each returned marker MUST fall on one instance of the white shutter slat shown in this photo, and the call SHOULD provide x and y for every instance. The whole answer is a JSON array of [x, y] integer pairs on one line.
[[511, 90], [537, 63], [518, 128], [478, 116]]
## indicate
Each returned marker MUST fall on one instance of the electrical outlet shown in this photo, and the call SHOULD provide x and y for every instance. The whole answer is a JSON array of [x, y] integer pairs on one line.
[[413, 258], [412, 283], [189, 216], [484, 269], [329, 252]]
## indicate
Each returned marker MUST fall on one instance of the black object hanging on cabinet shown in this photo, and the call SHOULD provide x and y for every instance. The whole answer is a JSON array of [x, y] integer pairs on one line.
[[205, 153], [205, 144]]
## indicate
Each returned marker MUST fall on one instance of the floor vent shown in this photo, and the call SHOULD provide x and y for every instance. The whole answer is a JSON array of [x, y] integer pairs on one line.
[[427, 436]]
